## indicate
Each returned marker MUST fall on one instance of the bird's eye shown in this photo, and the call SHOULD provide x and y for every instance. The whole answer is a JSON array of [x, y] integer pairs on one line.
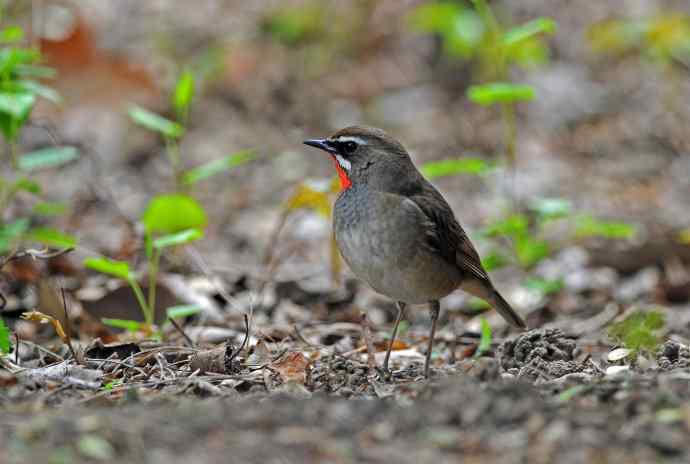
[[349, 147]]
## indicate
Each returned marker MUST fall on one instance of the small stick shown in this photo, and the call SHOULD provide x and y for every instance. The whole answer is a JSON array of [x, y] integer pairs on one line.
[[246, 337], [189, 341], [68, 335], [16, 348]]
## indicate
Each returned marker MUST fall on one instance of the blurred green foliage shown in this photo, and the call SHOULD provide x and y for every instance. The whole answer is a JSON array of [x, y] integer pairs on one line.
[[20, 88], [296, 25], [451, 167], [523, 238], [470, 31], [664, 37], [639, 331]]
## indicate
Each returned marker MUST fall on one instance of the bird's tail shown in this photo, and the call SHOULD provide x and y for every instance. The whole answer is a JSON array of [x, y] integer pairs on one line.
[[484, 290], [506, 311]]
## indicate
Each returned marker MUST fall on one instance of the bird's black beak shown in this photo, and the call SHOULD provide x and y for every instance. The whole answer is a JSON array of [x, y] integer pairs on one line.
[[320, 143]]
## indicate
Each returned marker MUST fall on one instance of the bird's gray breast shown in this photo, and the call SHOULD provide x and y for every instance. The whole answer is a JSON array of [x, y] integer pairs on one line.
[[382, 237]]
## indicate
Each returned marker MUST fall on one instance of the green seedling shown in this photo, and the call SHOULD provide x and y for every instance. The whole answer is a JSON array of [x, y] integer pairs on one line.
[[4, 337], [19, 92], [639, 331], [18, 89], [121, 270], [524, 239], [182, 311], [485, 339], [570, 393], [212, 168], [173, 131], [170, 221], [125, 324], [470, 31]]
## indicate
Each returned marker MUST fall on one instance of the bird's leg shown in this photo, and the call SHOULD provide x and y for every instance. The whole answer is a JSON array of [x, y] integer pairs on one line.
[[401, 313], [434, 310]]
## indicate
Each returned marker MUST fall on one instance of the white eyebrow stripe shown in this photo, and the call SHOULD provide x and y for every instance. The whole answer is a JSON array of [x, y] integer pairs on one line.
[[350, 138], [345, 164]]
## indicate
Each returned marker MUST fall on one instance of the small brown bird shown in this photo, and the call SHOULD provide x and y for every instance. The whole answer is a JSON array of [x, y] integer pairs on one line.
[[398, 233]]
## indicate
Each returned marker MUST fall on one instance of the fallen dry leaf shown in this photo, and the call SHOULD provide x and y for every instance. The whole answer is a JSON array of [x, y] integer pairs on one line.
[[292, 367]]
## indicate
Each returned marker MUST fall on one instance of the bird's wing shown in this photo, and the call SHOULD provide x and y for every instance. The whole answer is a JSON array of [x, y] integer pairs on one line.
[[446, 236]]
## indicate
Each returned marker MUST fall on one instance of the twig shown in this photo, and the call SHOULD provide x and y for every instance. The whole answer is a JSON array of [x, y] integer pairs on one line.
[[44, 350], [16, 348], [189, 341], [246, 337], [68, 330]]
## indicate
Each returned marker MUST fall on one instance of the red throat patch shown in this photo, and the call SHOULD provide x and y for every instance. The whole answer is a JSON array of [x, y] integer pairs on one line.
[[345, 182]]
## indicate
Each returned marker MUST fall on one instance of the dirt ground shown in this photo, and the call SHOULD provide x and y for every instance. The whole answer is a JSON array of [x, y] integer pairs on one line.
[[602, 135]]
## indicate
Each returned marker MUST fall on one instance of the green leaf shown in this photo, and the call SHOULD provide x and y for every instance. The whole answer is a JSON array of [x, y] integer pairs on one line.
[[50, 208], [529, 30], [52, 237], [180, 238], [436, 17], [461, 29], [478, 305], [10, 233], [15, 107], [155, 122], [572, 392], [588, 226], [169, 214], [12, 34], [512, 226], [182, 311], [4, 337], [449, 167], [544, 286], [531, 250], [12, 57], [26, 185], [184, 92], [47, 158], [41, 90], [485, 339], [214, 167], [494, 260], [500, 92], [111, 267], [639, 331], [125, 324]]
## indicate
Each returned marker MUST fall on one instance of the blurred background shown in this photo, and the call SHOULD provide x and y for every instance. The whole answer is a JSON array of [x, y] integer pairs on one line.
[[570, 113]]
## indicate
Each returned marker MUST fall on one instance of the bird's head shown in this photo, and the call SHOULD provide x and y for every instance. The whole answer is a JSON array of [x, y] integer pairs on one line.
[[364, 154]]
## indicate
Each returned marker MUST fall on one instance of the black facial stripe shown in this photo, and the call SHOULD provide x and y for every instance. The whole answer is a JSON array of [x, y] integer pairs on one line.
[[344, 148]]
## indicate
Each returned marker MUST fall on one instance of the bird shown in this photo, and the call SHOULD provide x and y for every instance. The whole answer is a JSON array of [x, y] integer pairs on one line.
[[397, 233]]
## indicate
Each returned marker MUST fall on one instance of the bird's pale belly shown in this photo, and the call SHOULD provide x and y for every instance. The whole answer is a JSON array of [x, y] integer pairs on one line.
[[402, 271]]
